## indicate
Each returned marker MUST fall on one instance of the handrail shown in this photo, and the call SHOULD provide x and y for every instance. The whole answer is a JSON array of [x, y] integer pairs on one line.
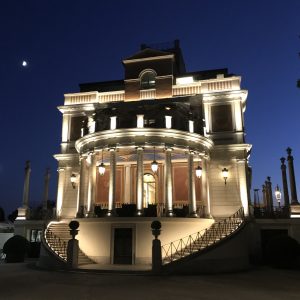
[[57, 243], [202, 239]]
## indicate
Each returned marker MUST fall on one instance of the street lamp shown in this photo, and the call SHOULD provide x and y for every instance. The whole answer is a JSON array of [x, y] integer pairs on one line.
[[278, 194], [225, 174], [154, 164], [101, 167]]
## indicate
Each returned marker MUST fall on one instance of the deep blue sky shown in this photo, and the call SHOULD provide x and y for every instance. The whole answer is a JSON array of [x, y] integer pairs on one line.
[[70, 42]]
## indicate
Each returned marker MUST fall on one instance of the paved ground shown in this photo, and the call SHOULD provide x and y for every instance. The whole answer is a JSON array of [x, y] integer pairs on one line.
[[18, 281]]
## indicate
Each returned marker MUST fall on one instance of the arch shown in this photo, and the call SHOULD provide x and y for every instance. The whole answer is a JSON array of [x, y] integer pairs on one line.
[[147, 79]]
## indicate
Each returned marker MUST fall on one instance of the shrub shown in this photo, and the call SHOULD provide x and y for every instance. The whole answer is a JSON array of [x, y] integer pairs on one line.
[[15, 249]]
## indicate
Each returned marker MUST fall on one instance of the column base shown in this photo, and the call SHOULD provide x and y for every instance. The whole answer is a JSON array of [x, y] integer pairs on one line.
[[193, 215], [80, 213], [23, 213], [170, 214], [89, 214], [295, 210]]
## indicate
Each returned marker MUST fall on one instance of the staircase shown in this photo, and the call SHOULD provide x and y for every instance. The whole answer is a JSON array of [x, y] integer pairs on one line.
[[200, 242], [57, 236]]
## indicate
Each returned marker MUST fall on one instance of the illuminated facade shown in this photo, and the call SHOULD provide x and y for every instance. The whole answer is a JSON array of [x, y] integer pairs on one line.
[[116, 134]]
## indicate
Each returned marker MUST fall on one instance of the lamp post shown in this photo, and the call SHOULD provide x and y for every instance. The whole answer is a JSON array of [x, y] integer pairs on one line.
[[277, 194]]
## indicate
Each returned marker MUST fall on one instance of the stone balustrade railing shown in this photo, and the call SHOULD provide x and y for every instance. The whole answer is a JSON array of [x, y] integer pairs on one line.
[[205, 86]]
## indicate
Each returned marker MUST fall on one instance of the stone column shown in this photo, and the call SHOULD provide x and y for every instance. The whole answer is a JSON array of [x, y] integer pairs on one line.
[[91, 186], [205, 187], [112, 182], [139, 181], [191, 186], [269, 193], [290, 160], [264, 193], [82, 192], [242, 170], [256, 198], [284, 183], [168, 183], [26, 185], [46, 189], [23, 211], [127, 185]]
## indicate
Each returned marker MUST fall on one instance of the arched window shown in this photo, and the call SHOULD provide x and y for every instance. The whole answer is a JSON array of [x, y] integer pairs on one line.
[[148, 80]]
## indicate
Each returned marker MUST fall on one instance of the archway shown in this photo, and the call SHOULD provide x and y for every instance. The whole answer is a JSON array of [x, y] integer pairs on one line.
[[149, 190]]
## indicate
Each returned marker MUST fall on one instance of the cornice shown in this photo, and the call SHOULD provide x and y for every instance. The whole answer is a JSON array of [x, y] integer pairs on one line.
[[134, 137]]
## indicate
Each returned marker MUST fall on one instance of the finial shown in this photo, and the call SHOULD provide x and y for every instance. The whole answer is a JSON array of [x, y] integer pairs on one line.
[[289, 151], [269, 178], [282, 159]]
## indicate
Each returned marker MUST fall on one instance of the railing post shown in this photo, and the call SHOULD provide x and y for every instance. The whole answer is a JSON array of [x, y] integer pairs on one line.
[[73, 246], [156, 248]]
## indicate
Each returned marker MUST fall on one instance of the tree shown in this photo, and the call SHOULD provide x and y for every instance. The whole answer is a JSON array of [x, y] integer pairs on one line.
[[12, 217]]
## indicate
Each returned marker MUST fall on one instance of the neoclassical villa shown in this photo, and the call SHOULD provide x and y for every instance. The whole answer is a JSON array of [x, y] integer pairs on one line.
[[142, 140], [160, 144]]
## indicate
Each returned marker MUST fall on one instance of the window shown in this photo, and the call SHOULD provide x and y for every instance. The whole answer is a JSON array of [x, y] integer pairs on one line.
[[148, 80], [221, 118]]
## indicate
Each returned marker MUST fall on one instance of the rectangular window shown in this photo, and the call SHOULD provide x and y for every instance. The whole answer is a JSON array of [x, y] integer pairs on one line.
[[221, 118], [139, 121], [76, 125], [168, 122], [113, 123], [35, 235]]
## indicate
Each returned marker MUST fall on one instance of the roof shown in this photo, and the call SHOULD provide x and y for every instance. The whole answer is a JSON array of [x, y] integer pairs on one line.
[[148, 52]]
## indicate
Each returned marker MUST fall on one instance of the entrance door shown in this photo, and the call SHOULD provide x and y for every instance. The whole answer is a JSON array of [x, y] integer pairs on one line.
[[123, 246]]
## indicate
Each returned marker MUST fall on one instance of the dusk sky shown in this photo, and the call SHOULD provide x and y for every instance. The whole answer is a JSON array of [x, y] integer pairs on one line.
[[70, 42]]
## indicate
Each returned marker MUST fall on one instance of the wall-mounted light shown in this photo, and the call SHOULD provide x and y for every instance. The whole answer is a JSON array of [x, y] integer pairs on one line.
[[73, 180], [277, 194], [101, 167], [154, 164], [225, 174]]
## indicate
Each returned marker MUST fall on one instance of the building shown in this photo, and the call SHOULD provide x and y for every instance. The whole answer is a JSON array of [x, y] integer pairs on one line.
[[161, 143], [184, 119]]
